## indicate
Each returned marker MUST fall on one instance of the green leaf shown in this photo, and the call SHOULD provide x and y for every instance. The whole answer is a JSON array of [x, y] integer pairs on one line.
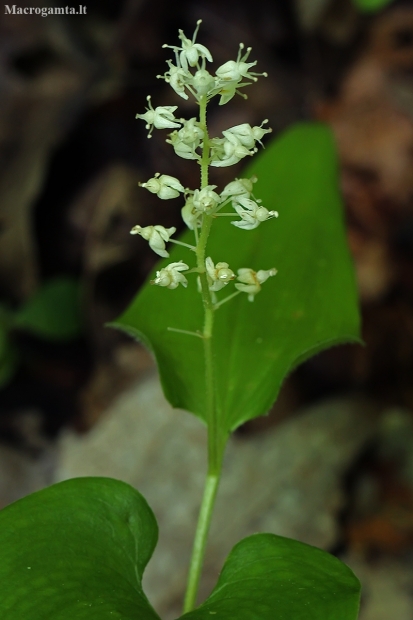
[[268, 577], [370, 6], [53, 312], [76, 550], [310, 305]]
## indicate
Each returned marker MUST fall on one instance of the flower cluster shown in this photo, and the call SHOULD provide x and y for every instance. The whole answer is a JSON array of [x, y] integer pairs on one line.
[[238, 193], [188, 75], [226, 82], [188, 139]]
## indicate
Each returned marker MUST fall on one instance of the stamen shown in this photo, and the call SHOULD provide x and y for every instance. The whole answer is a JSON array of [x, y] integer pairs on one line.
[[198, 23]]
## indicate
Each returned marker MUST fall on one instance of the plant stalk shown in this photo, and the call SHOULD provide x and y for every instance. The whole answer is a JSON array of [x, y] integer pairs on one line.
[[200, 540], [215, 446]]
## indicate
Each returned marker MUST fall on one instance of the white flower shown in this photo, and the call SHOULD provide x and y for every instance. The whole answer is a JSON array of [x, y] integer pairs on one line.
[[190, 52], [171, 276], [218, 275], [225, 153], [164, 186], [232, 73], [205, 200], [239, 187], [157, 237], [190, 215], [246, 135], [187, 140], [177, 78], [191, 133], [200, 84], [161, 117], [251, 213], [237, 70], [250, 280], [183, 150]]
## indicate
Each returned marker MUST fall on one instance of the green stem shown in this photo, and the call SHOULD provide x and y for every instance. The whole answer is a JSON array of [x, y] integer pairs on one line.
[[205, 149], [215, 444], [201, 536], [214, 456]]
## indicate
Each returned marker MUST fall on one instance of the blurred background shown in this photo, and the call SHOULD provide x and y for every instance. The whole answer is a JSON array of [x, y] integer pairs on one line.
[[333, 462]]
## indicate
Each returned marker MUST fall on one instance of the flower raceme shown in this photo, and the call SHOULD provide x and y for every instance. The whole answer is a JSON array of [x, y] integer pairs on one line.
[[188, 76]]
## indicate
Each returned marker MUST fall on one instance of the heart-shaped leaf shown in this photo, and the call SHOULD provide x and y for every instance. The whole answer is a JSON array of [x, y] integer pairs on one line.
[[77, 549], [310, 305], [268, 577]]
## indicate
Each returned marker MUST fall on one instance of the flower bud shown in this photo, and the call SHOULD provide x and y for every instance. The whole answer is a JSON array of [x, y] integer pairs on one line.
[[205, 200], [165, 186], [218, 275], [203, 82]]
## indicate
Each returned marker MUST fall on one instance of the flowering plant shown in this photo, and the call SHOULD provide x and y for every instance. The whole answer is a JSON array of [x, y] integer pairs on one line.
[[190, 140], [219, 357]]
